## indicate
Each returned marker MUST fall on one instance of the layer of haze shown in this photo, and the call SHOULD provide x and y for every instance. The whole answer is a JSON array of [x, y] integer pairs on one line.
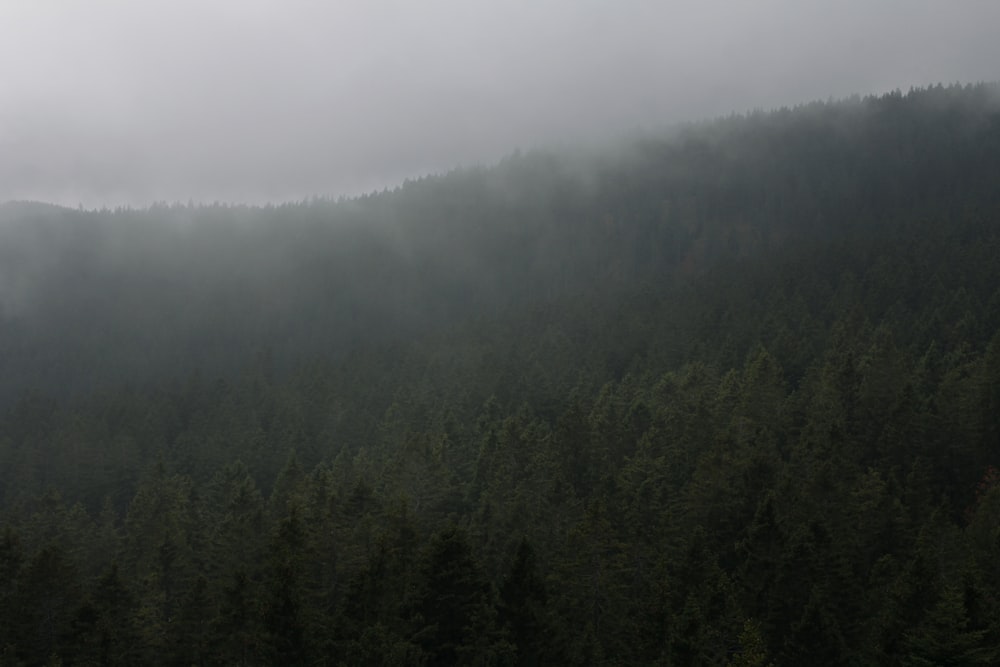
[[107, 103]]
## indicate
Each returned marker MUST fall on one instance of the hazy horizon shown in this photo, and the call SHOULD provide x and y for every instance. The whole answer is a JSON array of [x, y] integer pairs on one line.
[[111, 104]]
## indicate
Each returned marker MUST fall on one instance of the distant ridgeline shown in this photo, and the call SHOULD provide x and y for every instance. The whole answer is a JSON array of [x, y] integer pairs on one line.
[[92, 299], [731, 394]]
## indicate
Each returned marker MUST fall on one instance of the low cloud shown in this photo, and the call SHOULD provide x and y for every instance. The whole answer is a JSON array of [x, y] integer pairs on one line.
[[113, 102]]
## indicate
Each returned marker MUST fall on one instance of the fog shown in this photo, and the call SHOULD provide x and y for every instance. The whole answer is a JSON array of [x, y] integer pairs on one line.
[[111, 103]]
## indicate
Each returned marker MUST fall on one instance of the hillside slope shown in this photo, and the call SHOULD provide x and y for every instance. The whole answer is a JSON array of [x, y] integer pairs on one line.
[[726, 397], [91, 299]]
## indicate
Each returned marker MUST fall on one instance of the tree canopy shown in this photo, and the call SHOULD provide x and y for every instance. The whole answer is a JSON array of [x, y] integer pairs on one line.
[[729, 395]]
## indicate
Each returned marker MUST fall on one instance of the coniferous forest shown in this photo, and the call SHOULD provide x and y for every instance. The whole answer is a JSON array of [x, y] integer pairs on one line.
[[728, 394]]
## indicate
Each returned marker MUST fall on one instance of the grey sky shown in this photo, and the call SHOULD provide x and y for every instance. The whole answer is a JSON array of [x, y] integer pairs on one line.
[[109, 102]]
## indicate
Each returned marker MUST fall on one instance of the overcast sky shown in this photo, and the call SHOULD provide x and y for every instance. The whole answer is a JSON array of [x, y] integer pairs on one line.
[[108, 102]]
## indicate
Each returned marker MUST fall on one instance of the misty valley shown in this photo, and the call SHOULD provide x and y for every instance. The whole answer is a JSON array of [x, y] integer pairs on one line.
[[725, 394]]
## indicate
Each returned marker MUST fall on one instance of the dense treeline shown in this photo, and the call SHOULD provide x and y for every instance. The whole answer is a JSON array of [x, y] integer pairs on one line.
[[727, 397], [98, 298]]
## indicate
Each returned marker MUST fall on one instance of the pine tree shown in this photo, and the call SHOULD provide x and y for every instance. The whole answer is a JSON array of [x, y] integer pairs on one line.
[[521, 607], [453, 617]]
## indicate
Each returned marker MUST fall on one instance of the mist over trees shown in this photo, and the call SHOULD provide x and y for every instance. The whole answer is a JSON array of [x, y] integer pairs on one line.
[[729, 395]]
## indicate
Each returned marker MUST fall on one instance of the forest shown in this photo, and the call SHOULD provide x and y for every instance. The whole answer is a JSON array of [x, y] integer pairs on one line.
[[723, 394]]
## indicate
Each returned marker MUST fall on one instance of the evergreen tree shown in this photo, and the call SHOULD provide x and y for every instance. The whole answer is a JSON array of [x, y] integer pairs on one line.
[[453, 615]]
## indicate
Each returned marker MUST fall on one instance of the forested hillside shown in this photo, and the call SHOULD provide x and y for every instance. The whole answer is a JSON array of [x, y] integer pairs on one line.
[[725, 395]]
